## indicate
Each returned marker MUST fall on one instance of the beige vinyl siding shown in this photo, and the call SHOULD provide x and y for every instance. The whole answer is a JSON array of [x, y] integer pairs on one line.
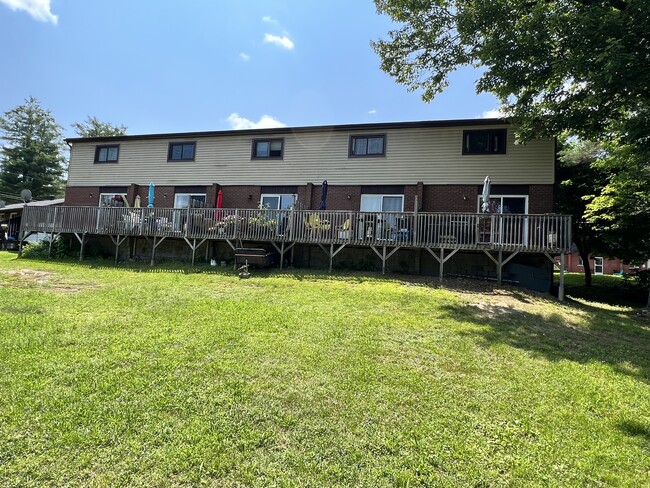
[[430, 155]]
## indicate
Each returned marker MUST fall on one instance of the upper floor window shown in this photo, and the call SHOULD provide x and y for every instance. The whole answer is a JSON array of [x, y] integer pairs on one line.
[[181, 151], [490, 141], [268, 148], [374, 145], [107, 154]]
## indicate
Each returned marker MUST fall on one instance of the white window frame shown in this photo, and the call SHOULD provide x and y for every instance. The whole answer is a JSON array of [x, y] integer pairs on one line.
[[279, 196], [602, 265], [176, 195], [378, 226], [382, 196], [99, 202], [580, 262], [282, 219], [479, 201]]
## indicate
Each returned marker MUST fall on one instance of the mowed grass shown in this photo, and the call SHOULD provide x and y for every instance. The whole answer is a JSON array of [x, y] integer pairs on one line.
[[165, 377], [612, 289]]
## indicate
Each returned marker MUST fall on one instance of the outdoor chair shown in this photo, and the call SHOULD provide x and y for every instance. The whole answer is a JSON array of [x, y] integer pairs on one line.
[[315, 224], [344, 230]]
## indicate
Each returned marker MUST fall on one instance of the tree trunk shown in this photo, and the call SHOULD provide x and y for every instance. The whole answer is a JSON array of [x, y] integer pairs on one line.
[[583, 251]]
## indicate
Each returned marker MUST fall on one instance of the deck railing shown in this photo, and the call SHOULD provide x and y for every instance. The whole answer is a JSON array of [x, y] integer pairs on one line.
[[509, 232]]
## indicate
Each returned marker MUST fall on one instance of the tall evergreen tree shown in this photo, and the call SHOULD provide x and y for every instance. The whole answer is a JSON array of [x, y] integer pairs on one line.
[[93, 127], [31, 156]]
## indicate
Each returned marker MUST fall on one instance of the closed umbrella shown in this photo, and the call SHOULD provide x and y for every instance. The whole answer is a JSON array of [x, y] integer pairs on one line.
[[323, 196], [219, 204], [487, 183], [150, 197], [136, 204]]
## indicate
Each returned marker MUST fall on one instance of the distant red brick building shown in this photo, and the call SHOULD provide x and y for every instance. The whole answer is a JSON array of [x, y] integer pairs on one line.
[[597, 264]]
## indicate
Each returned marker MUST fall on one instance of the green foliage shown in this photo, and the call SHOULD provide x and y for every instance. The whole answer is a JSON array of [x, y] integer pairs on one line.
[[264, 218], [93, 127], [568, 65], [577, 67], [41, 250], [31, 158], [133, 376], [629, 290], [621, 211]]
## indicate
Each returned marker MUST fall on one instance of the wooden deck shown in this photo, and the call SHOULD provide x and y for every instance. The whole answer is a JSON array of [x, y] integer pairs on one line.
[[499, 236], [505, 232]]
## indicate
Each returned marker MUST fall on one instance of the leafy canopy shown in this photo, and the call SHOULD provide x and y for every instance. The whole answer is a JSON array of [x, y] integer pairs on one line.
[[93, 127], [31, 157], [566, 65]]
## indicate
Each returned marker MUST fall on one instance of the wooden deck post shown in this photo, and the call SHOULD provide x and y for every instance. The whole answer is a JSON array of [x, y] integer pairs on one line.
[[442, 262], [500, 268], [560, 291]]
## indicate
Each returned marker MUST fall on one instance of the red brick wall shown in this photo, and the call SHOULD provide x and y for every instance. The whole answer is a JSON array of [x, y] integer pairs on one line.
[[431, 198], [80, 196], [541, 199], [450, 198], [610, 266]]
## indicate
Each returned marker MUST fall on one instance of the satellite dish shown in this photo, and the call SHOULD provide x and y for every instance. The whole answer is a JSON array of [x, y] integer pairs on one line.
[[2, 203], [26, 195]]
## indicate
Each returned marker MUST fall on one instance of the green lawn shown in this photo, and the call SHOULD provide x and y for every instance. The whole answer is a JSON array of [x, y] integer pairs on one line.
[[612, 289], [165, 376]]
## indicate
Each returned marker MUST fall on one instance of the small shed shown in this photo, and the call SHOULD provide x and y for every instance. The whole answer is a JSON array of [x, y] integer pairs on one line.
[[10, 215]]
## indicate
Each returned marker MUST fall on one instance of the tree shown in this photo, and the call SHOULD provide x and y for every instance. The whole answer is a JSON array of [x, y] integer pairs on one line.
[[31, 158], [93, 127], [621, 211], [579, 181], [578, 66]]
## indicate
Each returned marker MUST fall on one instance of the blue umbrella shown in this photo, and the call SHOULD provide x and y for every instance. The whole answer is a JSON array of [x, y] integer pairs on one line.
[[323, 196], [150, 197]]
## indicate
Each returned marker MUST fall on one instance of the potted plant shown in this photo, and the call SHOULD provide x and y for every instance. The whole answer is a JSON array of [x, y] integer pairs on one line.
[[263, 224]]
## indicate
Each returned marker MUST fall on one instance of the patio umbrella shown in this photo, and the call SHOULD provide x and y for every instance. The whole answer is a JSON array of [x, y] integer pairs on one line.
[[219, 204], [323, 196], [487, 183], [150, 196], [136, 204]]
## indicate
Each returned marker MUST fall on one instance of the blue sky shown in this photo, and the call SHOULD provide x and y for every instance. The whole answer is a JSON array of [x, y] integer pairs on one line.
[[182, 65]]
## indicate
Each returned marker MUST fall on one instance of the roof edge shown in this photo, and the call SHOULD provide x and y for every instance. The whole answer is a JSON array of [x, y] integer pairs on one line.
[[303, 129]]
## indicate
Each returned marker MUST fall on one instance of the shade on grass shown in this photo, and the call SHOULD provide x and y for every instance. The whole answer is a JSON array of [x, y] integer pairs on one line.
[[132, 376]]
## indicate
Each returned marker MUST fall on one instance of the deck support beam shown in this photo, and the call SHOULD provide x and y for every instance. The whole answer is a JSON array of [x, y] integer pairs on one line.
[[442, 259], [500, 262], [331, 253], [282, 249], [117, 241], [82, 241], [384, 256], [154, 246], [193, 246], [560, 290]]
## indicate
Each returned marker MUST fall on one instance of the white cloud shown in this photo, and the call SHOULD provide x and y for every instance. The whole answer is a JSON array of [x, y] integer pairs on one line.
[[244, 56], [39, 9], [372, 112], [495, 113], [238, 122], [269, 20], [283, 41]]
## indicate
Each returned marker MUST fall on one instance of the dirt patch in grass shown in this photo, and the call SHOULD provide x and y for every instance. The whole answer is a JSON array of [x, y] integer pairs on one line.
[[30, 277]]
